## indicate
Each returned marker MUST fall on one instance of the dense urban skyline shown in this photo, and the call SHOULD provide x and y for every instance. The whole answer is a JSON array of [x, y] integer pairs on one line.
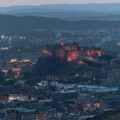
[[39, 2]]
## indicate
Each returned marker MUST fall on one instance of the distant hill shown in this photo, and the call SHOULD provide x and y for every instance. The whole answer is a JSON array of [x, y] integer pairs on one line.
[[67, 11], [10, 23]]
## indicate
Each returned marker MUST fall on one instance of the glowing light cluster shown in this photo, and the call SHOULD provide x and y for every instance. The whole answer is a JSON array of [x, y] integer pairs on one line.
[[72, 52]]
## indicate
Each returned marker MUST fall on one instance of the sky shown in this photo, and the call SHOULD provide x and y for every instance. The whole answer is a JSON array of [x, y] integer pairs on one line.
[[39, 2]]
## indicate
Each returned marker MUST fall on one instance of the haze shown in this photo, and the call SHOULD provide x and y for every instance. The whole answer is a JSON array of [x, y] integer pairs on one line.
[[39, 2]]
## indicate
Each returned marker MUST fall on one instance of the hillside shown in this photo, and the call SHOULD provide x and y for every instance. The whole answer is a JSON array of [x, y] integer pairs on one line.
[[28, 23], [67, 11]]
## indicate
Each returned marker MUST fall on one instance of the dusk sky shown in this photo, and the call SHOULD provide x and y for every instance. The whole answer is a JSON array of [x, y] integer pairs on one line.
[[39, 2]]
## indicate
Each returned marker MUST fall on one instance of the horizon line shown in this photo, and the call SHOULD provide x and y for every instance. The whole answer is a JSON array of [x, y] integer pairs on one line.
[[45, 4]]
